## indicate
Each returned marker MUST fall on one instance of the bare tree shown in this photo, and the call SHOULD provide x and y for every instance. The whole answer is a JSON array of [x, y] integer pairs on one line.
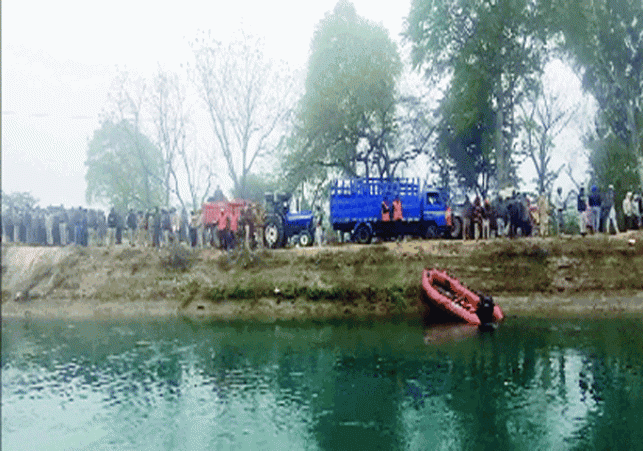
[[247, 99], [182, 161], [127, 100], [545, 116]]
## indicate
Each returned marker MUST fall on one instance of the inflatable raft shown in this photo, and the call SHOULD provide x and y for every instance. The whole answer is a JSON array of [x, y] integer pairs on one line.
[[457, 302]]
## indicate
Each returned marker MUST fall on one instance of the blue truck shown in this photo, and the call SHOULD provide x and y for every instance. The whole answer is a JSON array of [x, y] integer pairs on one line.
[[356, 208]]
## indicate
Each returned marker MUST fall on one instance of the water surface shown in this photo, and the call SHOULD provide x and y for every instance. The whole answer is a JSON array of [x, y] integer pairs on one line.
[[196, 384]]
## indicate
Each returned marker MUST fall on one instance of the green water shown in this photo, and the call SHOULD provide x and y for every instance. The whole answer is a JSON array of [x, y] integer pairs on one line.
[[201, 385]]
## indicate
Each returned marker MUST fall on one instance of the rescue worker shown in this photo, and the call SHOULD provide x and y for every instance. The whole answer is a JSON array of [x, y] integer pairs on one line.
[[386, 210]]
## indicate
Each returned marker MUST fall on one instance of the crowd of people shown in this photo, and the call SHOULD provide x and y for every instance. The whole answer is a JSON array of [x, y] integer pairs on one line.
[[519, 214], [60, 226]]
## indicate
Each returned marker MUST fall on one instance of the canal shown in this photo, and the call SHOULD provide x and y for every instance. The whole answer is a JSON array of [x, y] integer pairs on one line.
[[189, 384]]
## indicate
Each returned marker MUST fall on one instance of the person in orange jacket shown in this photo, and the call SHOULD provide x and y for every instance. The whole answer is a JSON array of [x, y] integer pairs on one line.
[[397, 209], [386, 210]]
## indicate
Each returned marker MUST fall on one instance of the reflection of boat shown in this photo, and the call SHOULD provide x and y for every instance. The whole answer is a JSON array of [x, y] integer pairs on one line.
[[440, 334], [454, 301]]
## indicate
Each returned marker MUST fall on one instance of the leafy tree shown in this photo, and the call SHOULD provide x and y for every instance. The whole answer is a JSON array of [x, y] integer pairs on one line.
[[491, 53], [248, 98], [346, 117], [466, 135], [18, 200], [256, 187], [612, 162], [604, 38], [124, 168]]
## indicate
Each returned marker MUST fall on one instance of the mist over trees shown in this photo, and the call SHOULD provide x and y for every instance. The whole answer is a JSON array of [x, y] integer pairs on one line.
[[235, 117], [124, 168], [345, 119], [247, 97]]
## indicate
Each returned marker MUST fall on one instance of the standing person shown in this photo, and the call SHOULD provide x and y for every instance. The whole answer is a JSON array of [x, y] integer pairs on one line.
[[218, 195], [49, 225], [467, 216], [141, 228], [166, 227], [120, 226], [543, 215], [7, 225], [132, 224], [183, 227], [55, 227], [611, 215], [84, 227], [92, 226], [386, 210], [62, 226], [78, 229], [112, 220], [175, 225], [477, 218], [594, 201], [101, 227], [581, 207], [156, 228], [627, 211], [486, 219], [194, 226], [29, 229], [637, 211], [258, 218], [318, 227], [559, 203], [397, 216]]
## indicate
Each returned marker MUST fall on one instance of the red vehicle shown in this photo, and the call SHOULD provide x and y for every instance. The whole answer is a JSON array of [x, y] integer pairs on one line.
[[221, 213]]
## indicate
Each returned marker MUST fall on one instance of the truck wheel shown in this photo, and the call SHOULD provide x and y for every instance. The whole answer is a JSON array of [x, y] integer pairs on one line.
[[456, 230], [363, 235], [273, 233], [305, 239], [431, 232]]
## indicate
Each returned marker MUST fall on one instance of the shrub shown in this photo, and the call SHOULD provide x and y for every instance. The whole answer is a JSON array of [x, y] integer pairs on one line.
[[178, 258]]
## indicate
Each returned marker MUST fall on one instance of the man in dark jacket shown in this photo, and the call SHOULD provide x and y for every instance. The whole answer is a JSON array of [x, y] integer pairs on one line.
[[131, 223], [112, 222], [594, 200]]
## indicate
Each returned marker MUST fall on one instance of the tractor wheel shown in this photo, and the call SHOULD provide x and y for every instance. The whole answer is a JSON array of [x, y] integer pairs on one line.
[[273, 233], [305, 239], [363, 235], [431, 232]]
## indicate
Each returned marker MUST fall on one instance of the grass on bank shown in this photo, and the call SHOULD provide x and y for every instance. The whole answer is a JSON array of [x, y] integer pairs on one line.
[[378, 274]]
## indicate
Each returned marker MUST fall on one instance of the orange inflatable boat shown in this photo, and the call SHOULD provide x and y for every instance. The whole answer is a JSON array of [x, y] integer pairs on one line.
[[457, 302]]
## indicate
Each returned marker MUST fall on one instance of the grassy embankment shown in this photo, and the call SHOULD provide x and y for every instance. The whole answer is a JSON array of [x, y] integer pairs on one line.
[[390, 273], [343, 280]]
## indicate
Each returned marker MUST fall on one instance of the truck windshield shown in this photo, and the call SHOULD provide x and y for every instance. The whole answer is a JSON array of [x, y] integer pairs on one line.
[[432, 198]]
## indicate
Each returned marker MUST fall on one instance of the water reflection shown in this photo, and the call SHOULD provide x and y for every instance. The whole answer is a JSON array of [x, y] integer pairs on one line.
[[185, 384]]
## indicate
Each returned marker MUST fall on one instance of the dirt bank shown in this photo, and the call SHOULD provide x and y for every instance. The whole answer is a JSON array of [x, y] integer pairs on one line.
[[555, 276]]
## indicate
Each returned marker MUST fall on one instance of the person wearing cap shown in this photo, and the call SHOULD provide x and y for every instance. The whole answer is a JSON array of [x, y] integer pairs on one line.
[[611, 215], [594, 200]]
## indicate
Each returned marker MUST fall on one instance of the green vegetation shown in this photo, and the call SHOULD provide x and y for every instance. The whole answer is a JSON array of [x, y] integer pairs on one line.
[[124, 168], [378, 275]]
